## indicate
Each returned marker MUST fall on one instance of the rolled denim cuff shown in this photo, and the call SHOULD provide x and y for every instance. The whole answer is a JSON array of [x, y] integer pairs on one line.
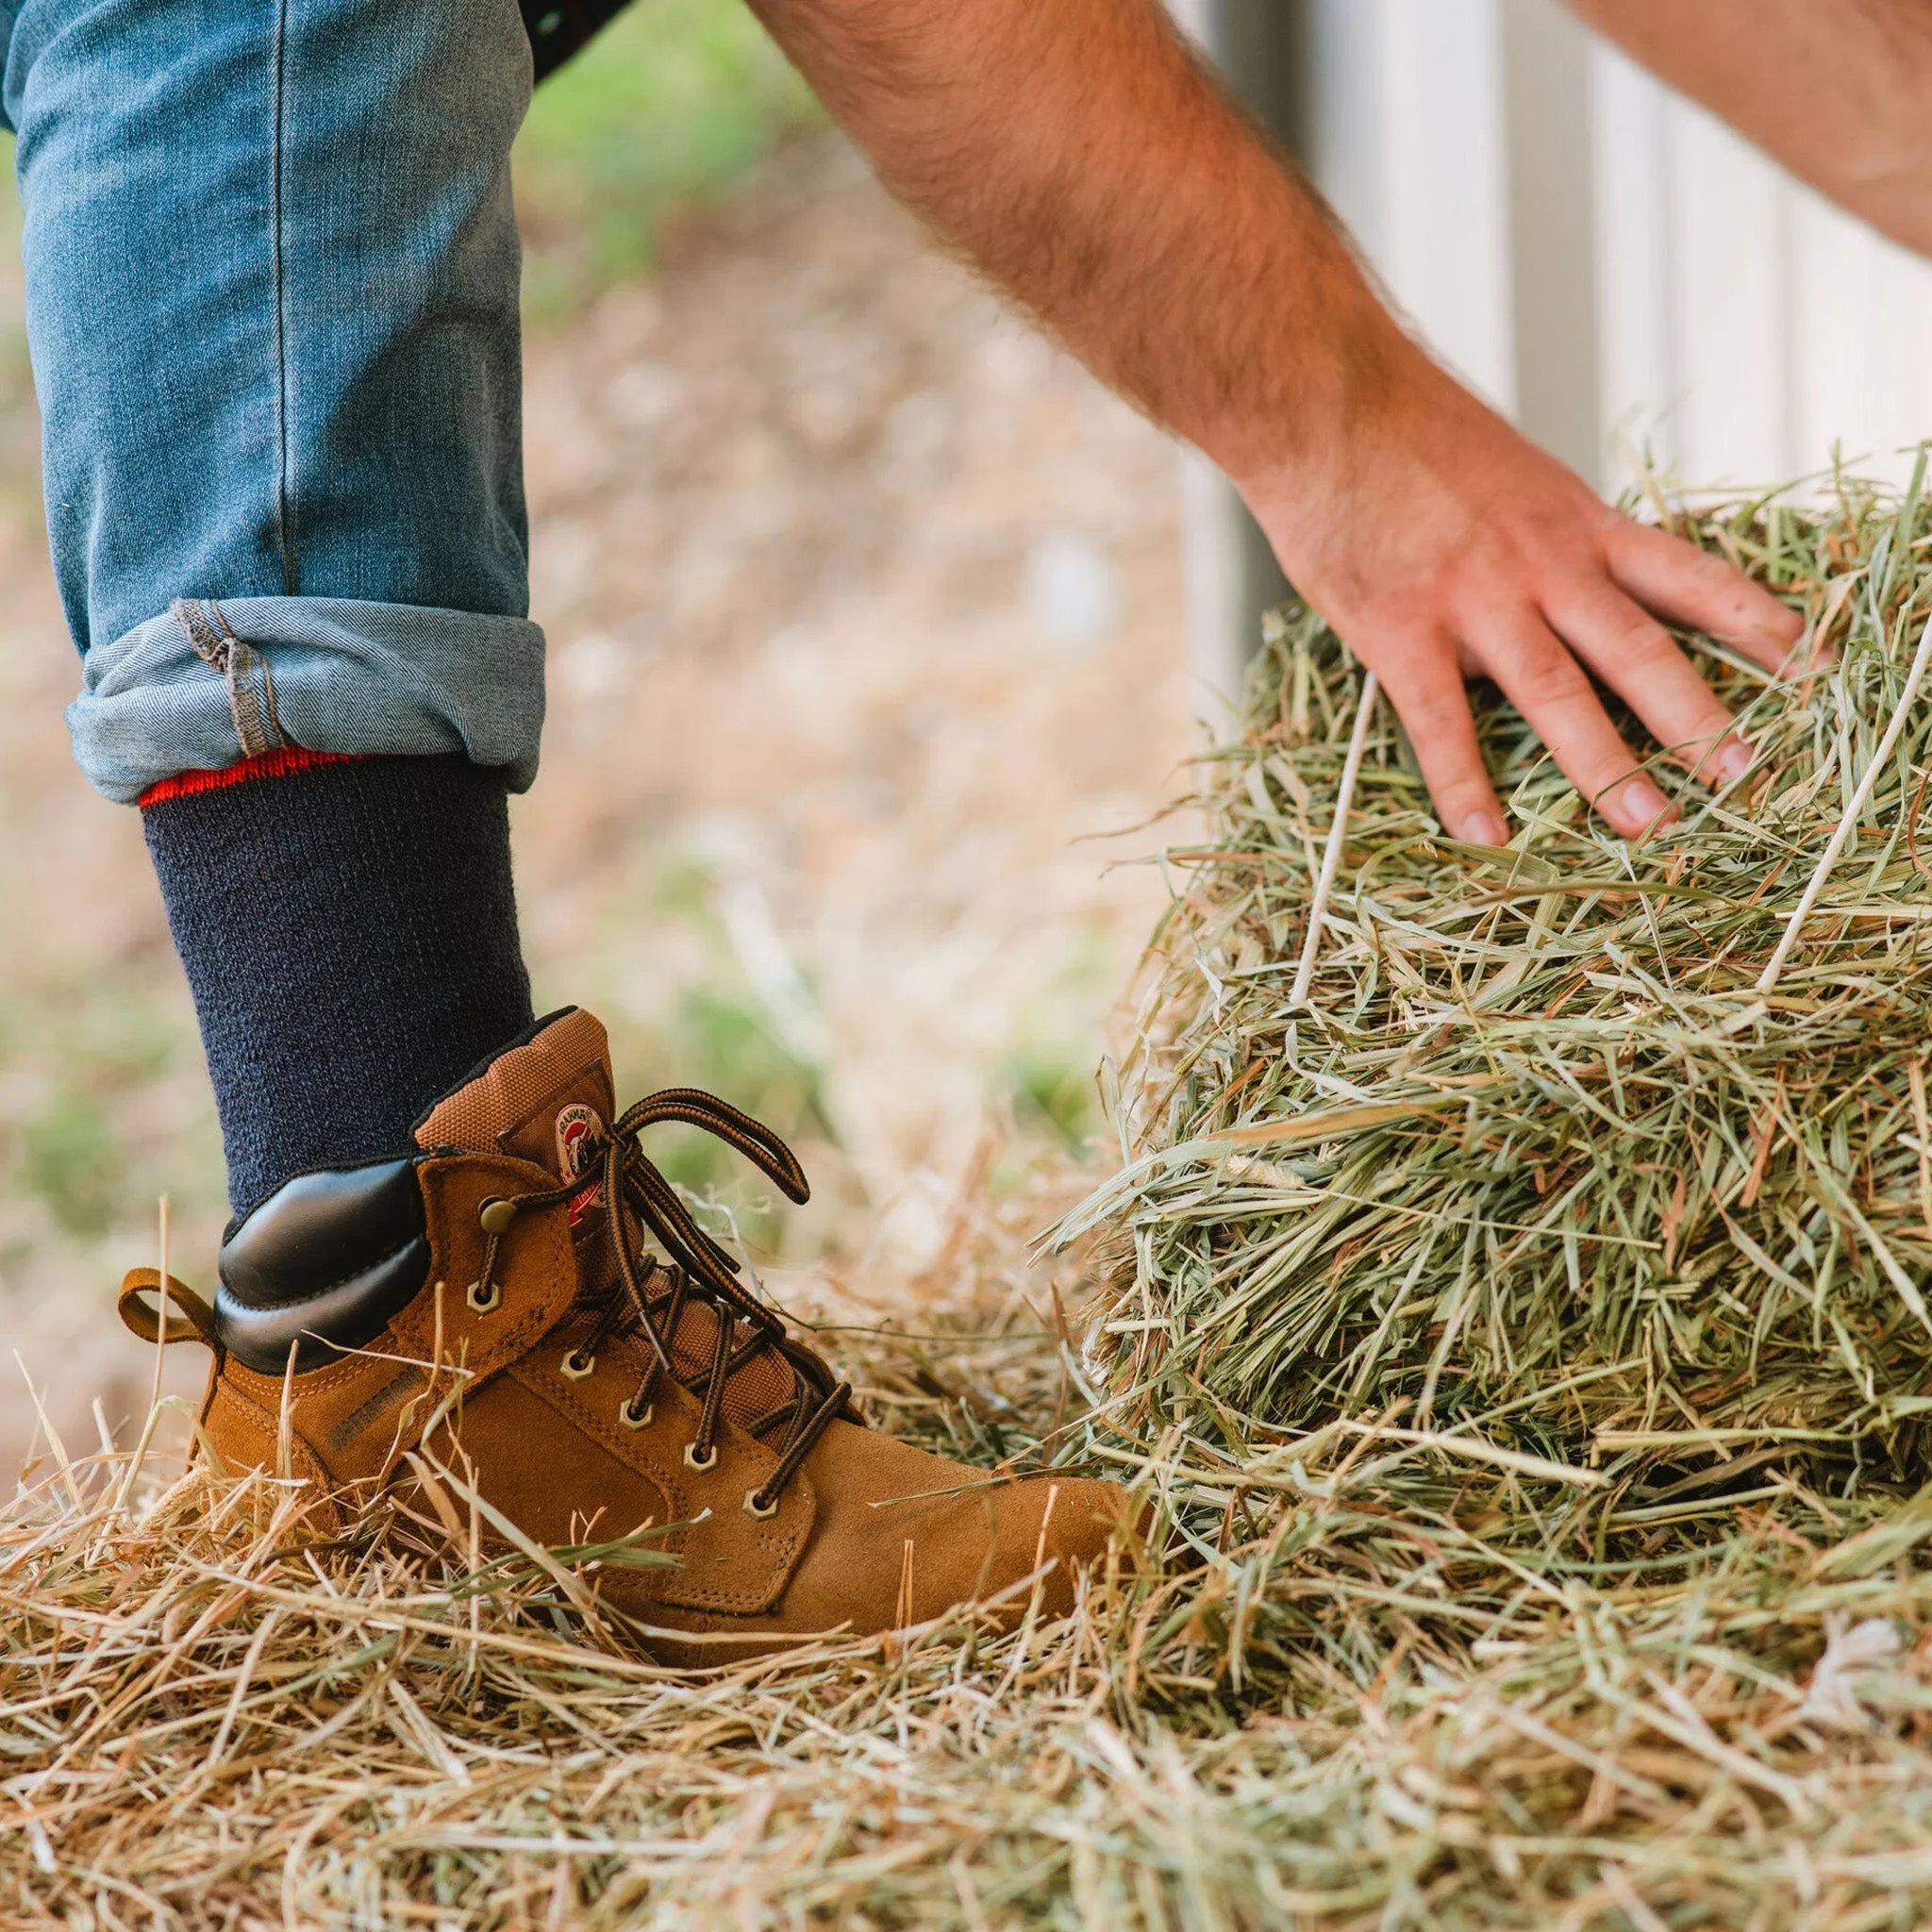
[[207, 684]]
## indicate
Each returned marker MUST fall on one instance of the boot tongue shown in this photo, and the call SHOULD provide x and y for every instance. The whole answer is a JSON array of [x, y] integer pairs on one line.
[[535, 1100]]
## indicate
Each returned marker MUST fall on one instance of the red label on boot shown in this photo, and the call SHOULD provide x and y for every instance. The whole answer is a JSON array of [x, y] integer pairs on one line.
[[573, 1125]]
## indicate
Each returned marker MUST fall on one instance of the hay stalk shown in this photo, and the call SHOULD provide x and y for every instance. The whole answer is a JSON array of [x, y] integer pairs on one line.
[[1853, 818]]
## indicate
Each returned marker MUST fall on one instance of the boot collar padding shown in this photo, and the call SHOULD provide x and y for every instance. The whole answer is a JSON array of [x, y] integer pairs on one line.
[[510, 1105]]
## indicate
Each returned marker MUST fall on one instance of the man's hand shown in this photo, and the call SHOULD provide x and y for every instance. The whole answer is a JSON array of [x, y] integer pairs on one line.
[[1442, 544], [1078, 154]]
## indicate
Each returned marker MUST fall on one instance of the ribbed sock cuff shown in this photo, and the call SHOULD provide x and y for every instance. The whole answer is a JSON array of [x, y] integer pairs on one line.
[[348, 929]]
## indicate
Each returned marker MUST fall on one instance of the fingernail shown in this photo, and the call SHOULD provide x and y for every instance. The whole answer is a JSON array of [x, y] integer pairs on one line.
[[1642, 806], [1733, 761], [1483, 828]]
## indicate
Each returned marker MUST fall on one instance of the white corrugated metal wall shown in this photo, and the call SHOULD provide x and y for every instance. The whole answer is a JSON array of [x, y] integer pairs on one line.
[[1601, 259], [1745, 323]]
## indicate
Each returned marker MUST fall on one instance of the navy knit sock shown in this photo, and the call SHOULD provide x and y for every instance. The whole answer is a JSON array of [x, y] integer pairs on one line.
[[349, 932]]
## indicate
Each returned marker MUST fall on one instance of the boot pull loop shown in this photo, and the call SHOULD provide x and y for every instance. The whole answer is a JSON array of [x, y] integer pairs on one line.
[[189, 1318]]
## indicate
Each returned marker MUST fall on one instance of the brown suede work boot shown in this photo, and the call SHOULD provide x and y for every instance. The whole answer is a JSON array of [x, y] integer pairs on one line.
[[526, 1304]]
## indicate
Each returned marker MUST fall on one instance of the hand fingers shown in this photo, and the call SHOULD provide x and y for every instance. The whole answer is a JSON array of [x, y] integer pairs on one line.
[[1637, 657], [1549, 687], [1428, 696], [1704, 593]]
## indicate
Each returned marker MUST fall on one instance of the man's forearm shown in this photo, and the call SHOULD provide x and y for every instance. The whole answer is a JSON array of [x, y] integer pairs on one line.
[[1839, 91], [1077, 154]]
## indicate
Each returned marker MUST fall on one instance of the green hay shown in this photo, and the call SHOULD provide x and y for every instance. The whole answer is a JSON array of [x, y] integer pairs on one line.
[[1539, 1176]]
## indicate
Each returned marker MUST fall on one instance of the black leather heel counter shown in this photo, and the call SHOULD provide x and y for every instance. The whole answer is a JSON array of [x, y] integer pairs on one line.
[[322, 1265]]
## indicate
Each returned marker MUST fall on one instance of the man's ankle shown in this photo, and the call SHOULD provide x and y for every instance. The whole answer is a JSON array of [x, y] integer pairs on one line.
[[348, 929]]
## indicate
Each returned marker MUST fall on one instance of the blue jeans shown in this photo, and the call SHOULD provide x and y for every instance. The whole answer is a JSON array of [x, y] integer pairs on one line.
[[271, 275]]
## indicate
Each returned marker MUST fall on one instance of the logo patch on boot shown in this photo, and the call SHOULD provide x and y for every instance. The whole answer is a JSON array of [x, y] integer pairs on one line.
[[573, 1125], [371, 1412]]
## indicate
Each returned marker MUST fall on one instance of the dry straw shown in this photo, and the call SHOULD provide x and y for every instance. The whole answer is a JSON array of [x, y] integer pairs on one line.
[[1529, 1559], [214, 1718]]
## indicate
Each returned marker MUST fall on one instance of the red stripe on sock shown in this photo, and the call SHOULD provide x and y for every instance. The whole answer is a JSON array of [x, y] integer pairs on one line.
[[268, 764]]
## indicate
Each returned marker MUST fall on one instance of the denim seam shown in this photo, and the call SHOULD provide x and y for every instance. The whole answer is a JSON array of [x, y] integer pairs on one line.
[[258, 729], [278, 58]]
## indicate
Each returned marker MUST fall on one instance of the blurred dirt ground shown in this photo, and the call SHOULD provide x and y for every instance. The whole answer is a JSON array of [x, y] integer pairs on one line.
[[865, 624]]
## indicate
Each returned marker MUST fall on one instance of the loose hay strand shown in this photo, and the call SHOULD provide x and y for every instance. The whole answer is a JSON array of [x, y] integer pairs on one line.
[[1853, 816], [1338, 839]]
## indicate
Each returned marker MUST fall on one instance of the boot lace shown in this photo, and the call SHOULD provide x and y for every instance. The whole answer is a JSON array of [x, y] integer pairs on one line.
[[653, 1296]]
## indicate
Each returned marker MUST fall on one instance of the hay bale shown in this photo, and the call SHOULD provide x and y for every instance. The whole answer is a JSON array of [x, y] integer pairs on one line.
[[1540, 1173]]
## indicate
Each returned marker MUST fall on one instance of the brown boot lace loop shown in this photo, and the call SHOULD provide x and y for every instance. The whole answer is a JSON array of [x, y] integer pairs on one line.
[[640, 1406], [764, 1499], [637, 1200], [704, 1452]]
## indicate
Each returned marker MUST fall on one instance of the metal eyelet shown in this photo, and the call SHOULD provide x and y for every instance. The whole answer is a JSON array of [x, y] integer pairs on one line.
[[495, 1215], [486, 1302], [759, 1513], [636, 1419], [577, 1366], [690, 1457]]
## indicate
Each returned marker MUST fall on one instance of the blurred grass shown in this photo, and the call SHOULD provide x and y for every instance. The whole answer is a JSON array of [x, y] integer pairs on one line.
[[663, 112], [68, 1154], [1050, 1086], [103, 1105], [661, 970]]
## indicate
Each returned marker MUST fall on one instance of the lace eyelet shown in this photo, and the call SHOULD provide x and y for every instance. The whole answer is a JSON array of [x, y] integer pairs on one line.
[[759, 1513], [485, 1301], [690, 1457], [635, 1417], [577, 1366], [495, 1215]]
